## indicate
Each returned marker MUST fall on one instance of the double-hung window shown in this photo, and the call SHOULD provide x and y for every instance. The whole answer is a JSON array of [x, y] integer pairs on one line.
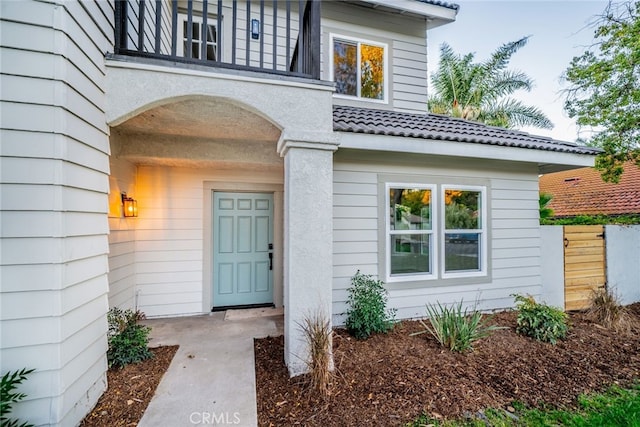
[[435, 231], [410, 229], [463, 234], [199, 35], [359, 68]]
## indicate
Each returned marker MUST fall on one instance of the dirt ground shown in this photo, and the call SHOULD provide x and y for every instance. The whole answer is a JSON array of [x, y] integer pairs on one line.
[[130, 390], [391, 379]]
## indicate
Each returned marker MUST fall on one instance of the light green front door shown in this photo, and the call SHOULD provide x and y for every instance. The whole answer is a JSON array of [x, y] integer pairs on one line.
[[242, 249]]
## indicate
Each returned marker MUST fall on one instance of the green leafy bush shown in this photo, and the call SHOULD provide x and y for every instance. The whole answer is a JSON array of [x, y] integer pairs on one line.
[[128, 340], [455, 328], [593, 220], [367, 313], [8, 396], [540, 321]]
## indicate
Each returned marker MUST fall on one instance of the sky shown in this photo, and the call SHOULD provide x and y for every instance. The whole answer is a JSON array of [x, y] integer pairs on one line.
[[559, 31]]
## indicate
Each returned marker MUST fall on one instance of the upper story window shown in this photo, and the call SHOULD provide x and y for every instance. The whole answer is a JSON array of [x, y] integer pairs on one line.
[[435, 231], [359, 68], [199, 35]]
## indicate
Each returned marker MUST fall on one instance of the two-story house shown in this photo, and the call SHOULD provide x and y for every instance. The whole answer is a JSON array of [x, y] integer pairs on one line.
[[179, 157]]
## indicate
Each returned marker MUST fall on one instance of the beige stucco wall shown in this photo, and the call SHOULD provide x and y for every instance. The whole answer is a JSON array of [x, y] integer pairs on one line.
[[301, 110]]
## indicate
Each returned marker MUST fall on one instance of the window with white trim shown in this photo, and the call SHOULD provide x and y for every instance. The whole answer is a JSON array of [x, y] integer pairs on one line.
[[199, 35], [463, 230], [435, 231], [359, 68], [410, 229]]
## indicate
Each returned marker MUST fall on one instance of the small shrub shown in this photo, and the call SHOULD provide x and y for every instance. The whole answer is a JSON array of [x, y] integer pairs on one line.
[[128, 340], [593, 220], [367, 313], [8, 396], [317, 334], [540, 321], [607, 310], [454, 328]]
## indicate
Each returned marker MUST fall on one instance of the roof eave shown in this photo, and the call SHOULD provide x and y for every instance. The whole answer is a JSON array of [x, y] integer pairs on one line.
[[547, 160], [433, 12]]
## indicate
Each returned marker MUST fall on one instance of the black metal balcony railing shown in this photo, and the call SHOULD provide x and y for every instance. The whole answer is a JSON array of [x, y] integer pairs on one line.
[[279, 37]]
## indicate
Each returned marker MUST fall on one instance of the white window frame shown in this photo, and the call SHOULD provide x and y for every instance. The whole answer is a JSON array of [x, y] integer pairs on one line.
[[358, 41], [196, 19], [433, 233], [481, 231], [438, 232]]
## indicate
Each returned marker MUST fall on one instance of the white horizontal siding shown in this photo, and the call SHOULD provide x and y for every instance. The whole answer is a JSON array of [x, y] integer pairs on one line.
[[174, 208], [355, 224], [160, 267], [54, 173], [167, 277], [44, 330], [513, 230], [24, 171], [121, 237], [82, 395], [68, 224], [409, 62], [355, 239], [267, 38], [43, 250], [169, 245], [169, 237], [368, 235], [35, 90], [407, 46], [50, 198]]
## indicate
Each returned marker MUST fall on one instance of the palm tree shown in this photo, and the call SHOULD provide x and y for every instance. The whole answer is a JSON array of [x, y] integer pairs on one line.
[[543, 201], [480, 91]]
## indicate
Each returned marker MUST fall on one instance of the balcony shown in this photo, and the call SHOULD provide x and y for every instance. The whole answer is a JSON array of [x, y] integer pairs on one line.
[[276, 37]]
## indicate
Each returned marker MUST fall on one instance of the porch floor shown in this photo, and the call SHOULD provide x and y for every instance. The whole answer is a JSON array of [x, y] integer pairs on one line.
[[211, 379]]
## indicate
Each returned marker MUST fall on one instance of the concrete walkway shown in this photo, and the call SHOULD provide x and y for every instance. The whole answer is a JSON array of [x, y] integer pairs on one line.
[[211, 380]]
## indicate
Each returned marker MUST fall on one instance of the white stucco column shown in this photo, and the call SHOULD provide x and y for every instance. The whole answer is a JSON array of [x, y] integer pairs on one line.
[[308, 239]]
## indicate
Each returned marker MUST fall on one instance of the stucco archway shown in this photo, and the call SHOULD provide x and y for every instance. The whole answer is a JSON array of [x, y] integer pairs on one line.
[[197, 131], [172, 156], [303, 113], [295, 106]]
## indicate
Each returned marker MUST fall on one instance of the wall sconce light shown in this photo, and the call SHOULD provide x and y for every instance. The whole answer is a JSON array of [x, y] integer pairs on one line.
[[255, 29], [129, 206]]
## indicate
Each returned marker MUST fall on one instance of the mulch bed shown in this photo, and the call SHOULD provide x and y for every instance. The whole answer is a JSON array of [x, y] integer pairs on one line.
[[391, 379], [130, 390]]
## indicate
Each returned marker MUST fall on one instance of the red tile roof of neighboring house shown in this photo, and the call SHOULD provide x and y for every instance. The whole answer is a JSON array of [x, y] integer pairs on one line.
[[582, 192]]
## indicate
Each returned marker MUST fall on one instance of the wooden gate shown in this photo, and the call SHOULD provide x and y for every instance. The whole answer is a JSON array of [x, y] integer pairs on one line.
[[584, 264]]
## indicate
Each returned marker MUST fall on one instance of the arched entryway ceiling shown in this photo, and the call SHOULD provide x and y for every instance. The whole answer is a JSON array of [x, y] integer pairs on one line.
[[203, 117], [197, 131]]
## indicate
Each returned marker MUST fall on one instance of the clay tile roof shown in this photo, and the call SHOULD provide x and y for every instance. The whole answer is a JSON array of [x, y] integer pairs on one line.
[[582, 192], [439, 127]]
